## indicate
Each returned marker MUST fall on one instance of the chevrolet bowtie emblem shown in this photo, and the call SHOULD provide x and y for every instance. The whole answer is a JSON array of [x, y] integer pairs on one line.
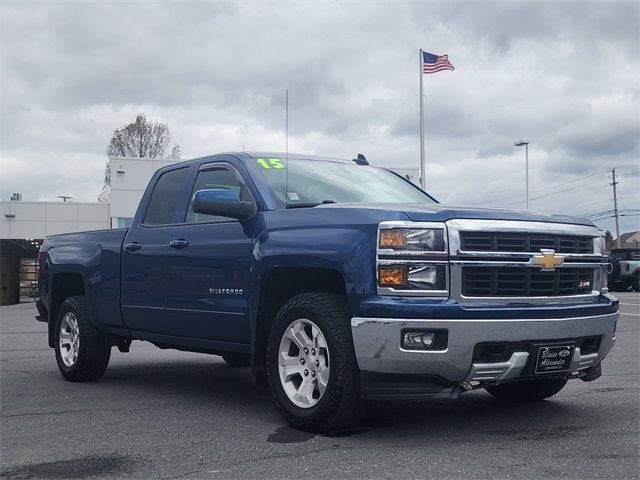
[[547, 259]]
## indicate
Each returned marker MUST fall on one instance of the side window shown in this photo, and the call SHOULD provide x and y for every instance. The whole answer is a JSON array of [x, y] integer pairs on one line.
[[219, 178], [165, 197]]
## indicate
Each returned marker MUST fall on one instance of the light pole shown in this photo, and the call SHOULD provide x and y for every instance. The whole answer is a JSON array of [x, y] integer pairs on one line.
[[525, 143]]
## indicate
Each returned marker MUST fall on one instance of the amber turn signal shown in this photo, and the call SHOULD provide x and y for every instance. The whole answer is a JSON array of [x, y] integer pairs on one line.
[[392, 238], [392, 276]]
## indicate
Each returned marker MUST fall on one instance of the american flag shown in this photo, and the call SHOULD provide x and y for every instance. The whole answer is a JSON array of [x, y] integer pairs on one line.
[[435, 63]]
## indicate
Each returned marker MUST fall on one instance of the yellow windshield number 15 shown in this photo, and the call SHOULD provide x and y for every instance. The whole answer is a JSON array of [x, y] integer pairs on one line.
[[272, 163]]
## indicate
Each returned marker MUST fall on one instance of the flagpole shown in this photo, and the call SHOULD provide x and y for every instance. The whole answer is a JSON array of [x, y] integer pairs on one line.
[[422, 160]]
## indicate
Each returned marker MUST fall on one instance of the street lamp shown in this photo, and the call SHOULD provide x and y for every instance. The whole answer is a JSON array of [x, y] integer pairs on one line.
[[525, 143]]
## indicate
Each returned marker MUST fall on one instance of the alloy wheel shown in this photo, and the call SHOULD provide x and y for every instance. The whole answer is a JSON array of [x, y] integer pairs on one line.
[[303, 363]]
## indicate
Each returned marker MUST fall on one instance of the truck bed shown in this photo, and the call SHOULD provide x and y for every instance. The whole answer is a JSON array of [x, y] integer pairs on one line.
[[93, 257]]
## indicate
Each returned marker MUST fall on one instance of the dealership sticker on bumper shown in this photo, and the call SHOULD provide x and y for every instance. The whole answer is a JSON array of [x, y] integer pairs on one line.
[[554, 359]]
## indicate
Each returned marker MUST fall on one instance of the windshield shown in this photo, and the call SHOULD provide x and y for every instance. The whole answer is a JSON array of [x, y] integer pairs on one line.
[[314, 182]]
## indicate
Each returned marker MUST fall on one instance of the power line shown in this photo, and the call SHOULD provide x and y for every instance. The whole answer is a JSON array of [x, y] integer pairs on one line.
[[562, 191], [557, 192], [562, 184], [628, 165], [547, 188], [626, 197]]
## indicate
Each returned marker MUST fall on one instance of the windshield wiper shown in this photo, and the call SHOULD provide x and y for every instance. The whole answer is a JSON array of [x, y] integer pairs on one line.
[[309, 205]]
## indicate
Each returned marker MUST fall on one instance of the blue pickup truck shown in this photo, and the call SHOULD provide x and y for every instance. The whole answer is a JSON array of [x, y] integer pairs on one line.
[[336, 282]]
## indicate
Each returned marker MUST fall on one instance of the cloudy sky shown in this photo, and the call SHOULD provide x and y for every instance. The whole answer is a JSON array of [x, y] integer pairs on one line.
[[564, 75]]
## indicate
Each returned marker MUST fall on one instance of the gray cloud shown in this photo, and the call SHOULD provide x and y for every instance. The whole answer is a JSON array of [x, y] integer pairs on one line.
[[565, 75]]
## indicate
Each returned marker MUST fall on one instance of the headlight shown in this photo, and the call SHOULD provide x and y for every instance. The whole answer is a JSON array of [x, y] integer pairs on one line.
[[412, 259], [411, 239], [413, 277]]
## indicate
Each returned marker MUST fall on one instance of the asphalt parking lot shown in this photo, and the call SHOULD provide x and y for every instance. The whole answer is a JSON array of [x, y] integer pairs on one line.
[[169, 414]]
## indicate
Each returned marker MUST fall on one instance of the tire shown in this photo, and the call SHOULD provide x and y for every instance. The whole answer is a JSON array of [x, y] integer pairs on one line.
[[636, 282], [89, 360], [236, 359], [333, 367], [527, 390], [615, 268]]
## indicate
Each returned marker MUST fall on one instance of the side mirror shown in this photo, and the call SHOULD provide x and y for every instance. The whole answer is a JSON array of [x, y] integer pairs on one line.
[[224, 203]]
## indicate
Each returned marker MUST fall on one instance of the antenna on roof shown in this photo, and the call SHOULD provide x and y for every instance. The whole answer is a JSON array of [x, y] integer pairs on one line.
[[361, 160], [286, 147]]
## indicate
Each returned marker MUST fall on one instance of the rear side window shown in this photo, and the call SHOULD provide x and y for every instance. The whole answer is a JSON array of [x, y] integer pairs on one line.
[[164, 198]]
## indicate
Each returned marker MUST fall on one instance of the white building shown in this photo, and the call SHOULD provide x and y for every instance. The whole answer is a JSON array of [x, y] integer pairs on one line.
[[23, 225], [129, 178], [19, 220]]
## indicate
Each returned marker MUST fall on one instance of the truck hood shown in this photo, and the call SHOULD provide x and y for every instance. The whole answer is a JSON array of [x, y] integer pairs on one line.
[[419, 212]]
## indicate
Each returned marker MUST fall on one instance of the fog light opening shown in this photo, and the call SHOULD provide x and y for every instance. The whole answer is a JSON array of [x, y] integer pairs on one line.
[[424, 340]]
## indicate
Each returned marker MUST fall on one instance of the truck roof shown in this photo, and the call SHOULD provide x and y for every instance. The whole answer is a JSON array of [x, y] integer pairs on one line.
[[279, 155], [295, 156]]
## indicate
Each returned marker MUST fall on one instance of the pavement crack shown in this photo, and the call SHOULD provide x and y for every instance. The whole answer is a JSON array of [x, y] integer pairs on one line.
[[60, 412]]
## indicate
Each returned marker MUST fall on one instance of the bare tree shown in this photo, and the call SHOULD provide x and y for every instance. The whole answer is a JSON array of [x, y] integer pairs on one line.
[[140, 139]]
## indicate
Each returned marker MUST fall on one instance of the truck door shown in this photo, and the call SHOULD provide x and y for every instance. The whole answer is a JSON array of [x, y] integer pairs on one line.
[[208, 266], [144, 254]]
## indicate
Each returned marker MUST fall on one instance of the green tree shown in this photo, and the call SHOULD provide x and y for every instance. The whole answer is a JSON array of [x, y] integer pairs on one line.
[[610, 242]]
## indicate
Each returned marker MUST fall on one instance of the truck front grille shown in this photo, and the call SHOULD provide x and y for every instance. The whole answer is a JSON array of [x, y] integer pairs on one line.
[[525, 282], [524, 242]]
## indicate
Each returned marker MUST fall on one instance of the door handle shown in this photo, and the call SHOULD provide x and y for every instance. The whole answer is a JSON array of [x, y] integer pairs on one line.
[[179, 243], [132, 247]]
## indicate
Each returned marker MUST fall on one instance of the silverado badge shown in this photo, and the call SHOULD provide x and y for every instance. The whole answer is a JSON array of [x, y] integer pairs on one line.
[[547, 260]]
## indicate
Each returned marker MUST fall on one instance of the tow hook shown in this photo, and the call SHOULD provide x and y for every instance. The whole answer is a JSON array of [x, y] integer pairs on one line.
[[466, 386]]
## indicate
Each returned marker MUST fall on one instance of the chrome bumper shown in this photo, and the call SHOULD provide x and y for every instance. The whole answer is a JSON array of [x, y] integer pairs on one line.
[[377, 345]]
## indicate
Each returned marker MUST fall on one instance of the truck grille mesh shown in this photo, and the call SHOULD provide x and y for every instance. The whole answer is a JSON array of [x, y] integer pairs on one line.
[[524, 242], [525, 282]]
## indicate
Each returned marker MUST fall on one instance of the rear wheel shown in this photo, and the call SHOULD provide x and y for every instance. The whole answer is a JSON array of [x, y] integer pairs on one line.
[[311, 364], [636, 282], [527, 390], [82, 352]]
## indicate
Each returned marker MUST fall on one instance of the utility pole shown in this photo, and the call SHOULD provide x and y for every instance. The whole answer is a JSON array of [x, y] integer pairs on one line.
[[615, 205]]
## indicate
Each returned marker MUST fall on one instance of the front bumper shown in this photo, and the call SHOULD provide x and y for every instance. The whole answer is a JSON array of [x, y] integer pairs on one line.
[[378, 348]]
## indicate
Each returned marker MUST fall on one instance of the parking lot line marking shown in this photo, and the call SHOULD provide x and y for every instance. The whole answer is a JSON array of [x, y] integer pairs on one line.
[[634, 314]]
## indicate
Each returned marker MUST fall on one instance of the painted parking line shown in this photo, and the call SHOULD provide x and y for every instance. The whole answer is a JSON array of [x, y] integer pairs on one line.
[[633, 314]]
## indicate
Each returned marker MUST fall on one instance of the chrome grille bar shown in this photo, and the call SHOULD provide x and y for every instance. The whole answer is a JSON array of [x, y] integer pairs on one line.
[[578, 279]]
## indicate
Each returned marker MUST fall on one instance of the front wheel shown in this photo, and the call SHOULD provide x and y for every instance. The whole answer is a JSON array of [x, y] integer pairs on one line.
[[311, 364], [82, 352], [527, 390]]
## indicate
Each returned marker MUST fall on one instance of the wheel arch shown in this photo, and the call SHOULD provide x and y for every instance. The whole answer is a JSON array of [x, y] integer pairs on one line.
[[63, 286], [279, 284]]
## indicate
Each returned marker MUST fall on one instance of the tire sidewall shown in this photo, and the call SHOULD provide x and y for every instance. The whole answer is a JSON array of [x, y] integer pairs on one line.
[[86, 358], [615, 268], [69, 306], [282, 322]]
